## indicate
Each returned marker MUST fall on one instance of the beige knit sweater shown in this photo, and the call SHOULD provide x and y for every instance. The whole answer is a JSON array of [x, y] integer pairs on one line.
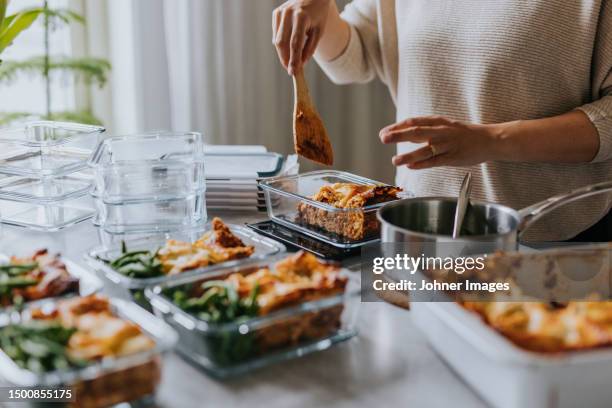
[[488, 62]]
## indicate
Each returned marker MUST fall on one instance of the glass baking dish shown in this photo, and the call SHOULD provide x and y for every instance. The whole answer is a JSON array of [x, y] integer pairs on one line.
[[141, 216], [112, 380], [288, 198], [89, 283], [45, 148], [44, 216], [134, 287], [230, 349], [46, 190]]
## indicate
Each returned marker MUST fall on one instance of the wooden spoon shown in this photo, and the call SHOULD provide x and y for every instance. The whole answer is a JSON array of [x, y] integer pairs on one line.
[[309, 134]]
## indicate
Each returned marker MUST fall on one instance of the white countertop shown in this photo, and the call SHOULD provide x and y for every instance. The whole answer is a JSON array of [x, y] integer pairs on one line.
[[389, 364]]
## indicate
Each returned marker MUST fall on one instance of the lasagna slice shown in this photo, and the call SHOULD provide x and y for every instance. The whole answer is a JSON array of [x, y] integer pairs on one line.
[[541, 327], [215, 246], [297, 279], [352, 224]]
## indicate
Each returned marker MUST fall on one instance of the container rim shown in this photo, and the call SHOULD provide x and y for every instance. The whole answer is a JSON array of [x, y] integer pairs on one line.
[[266, 184], [161, 303], [84, 130], [92, 257], [95, 159]]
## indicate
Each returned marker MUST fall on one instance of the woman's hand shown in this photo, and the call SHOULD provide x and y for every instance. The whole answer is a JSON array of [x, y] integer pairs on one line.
[[297, 27], [301, 27], [449, 142]]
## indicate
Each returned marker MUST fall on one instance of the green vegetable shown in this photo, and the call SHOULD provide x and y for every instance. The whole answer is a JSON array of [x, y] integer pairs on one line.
[[39, 346], [12, 277], [220, 303], [137, 264]]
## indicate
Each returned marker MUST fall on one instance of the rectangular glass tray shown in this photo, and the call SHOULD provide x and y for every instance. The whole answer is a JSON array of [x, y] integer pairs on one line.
[[210, 345], [46, 148], [284, 195], [48, 190], [46, 217], [264, 247]]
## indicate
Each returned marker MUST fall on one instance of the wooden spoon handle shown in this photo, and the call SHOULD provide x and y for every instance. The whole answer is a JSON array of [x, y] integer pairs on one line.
[[300, 87]]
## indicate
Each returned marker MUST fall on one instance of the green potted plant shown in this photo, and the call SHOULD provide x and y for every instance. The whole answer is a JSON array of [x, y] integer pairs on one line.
[[86, 69]]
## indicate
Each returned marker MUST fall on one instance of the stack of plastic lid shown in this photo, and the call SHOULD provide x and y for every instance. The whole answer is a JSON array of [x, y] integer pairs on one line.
[[233, 173], [151, 182], [44, 182]]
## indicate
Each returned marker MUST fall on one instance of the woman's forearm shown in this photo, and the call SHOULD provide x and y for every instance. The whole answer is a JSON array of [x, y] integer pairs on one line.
[[567, 138], [336, 35]]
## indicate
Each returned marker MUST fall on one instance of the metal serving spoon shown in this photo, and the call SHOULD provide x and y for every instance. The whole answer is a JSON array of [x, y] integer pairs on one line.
[[462, 204]]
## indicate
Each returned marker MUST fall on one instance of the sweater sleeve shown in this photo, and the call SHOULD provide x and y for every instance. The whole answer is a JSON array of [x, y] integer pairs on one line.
[[361, 61], [600, 110]]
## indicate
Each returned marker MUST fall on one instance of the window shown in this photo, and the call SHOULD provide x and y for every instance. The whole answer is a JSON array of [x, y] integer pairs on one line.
[[25, 92]]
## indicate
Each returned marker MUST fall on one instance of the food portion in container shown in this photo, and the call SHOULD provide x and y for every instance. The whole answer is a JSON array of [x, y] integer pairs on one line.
[[296, 279], [218, 245], [76, 333], [549, 328], [555, 299], [41, 275], [334, 207], [250, 316], [353, 225]]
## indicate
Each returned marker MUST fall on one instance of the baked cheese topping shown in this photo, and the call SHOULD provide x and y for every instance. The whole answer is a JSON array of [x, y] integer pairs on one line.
[[215, 246], [296, 279], [350, 195], [99, 332]]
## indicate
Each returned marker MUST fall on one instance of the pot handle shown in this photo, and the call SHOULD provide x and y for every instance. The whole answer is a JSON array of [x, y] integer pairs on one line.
[[534, 212]]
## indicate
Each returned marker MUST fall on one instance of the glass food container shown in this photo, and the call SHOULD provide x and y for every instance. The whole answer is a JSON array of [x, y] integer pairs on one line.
[[47, 149], [131, 378], [229, 349], [149, 183], [288, 199], [48, 215], [129, 287]]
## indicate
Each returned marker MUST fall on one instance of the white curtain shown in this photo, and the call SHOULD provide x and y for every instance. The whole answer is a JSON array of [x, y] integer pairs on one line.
[[209, 65]]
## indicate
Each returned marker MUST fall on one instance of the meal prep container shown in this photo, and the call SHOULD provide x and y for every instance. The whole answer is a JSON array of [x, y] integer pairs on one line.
[[285, 194], [166, 215], [47, 149], [125, 286], [89, 283], [150, 182], [225, 350], [47, 215], [507, 376], [104, 379], [427, 222], [54, 190]]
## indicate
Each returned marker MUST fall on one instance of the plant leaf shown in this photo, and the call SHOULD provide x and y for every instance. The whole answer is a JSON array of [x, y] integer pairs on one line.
[[3, 4], [17, 24], [91, 70]]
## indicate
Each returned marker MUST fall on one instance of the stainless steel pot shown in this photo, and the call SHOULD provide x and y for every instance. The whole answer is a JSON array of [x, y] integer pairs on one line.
[[428, 221]]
